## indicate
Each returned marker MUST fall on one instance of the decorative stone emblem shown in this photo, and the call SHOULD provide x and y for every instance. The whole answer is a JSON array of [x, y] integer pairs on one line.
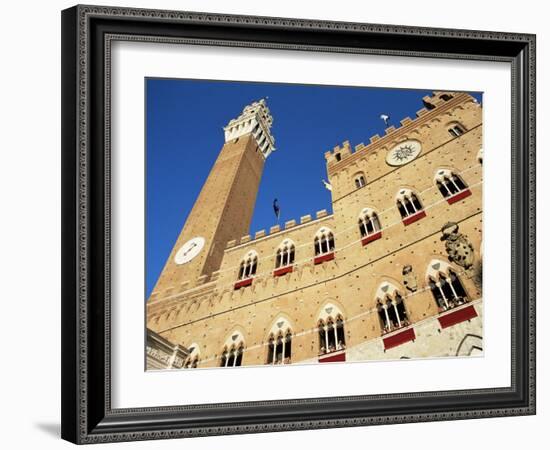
[[403, 153], [385, 287], [328, 310], [234, 337], [459, 249], [280, 324], [409, 278]]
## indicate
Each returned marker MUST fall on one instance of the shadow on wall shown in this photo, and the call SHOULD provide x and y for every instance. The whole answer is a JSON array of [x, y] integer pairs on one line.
[[470, 344], [52, 429]]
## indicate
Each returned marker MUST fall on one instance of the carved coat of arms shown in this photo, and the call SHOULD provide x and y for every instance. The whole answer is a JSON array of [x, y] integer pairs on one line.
[[459, 249]]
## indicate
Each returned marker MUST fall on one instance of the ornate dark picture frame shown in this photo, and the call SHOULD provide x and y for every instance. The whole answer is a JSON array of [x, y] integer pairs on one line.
[[87, 34]]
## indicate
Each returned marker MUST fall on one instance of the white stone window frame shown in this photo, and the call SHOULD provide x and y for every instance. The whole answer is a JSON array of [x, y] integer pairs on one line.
[[322, 241], [405, 197], [446, 176], [434, 275], [456, 129], [359, 180], [233, 347], [193, 358], [387, 294], [287, 252], [249, 265], [329, 320], [280, 333], [369, 216]]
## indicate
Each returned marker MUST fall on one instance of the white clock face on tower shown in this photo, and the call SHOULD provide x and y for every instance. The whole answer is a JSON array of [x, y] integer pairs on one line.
[[189, 250], [403, 153]]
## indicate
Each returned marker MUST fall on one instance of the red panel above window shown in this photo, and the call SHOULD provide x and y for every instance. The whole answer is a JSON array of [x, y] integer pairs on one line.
[[282, 271], [399, 338], [371, 237], [415, 217], [243, 283], [322, 258], [459, 196], [454, 317]]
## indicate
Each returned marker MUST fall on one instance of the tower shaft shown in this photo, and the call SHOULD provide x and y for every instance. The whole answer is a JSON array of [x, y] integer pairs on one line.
[[223, 210]]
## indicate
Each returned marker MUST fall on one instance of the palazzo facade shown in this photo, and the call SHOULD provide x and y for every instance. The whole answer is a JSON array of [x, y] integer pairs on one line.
[[393, 272]]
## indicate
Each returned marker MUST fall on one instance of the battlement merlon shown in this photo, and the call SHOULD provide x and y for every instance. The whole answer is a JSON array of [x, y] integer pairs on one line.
[[275, 230], [339, 152], [340, 156], [255, 119]]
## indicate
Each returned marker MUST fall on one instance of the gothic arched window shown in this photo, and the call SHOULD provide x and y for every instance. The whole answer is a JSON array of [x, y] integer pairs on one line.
[[456, 129], [279, 350], [480, 156], [369, 226], [331, 335], [450, 184], [390, 305], [445, 285], [409, 206], [330, 327], [359, 180], [248, 266], [233, 350], [285, 254], [193, 358], [324, 245]]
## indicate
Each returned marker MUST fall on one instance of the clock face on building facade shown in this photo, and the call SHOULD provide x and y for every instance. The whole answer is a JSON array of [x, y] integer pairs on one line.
[[189, 250], [403, 153]]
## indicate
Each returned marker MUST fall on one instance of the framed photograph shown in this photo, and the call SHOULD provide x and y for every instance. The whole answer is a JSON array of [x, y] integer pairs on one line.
[[282, 224]]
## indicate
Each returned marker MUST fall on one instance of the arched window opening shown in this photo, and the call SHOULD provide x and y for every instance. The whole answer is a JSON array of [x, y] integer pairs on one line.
[[331, 335], [369, 226], [233, 350], [456, 130], [445, 97], [192, 359], [248, 266], [409, 206], [225, 358], [285, 254], [247, 270], [391, 309], [445, 286], [239, 355], [451, 186], [359, 180], [280, 348], [324, 246]]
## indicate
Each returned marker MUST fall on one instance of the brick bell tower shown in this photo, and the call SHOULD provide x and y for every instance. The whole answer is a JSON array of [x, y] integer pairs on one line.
[[224, 207]]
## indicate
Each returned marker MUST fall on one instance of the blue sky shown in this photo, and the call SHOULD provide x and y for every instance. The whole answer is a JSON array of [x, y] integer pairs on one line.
[[184, 123]]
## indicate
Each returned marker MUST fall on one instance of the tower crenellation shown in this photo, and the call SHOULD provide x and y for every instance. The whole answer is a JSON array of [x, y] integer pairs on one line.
[[255, 119]]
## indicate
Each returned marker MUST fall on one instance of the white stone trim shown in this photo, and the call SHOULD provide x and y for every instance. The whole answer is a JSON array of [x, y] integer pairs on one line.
[[255, 119]]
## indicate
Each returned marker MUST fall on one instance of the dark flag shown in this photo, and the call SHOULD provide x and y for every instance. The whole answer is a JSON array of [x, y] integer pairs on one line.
[[276, 208]]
